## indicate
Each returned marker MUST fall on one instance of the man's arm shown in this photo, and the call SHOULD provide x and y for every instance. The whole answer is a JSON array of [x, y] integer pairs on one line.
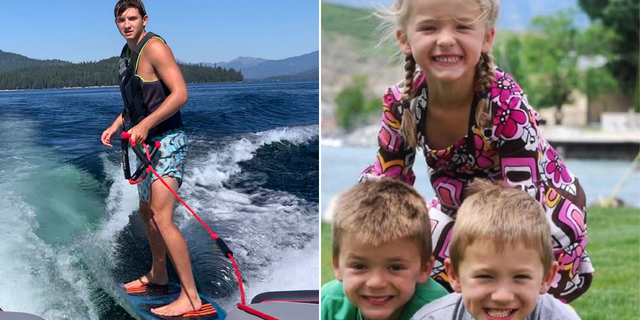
[[118, 122], [108, 134]]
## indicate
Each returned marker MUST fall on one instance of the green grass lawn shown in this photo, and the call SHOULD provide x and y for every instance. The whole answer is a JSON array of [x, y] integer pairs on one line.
[[614, 247], [326, 271]]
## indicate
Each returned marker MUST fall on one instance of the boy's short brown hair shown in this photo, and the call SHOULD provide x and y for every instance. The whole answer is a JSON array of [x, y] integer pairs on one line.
[[123, 5], [504, 216], [380, 211]]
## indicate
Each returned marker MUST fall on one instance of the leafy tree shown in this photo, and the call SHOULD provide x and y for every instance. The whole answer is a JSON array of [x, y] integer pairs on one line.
[[598, 41], [350, 103], [546, 60], [374, 106], [509, 54], [100, 73], [552, 60], [623, 17]]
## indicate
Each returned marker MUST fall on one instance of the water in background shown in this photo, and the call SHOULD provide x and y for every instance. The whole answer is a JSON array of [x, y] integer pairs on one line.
[[341, 167], [70, 229]]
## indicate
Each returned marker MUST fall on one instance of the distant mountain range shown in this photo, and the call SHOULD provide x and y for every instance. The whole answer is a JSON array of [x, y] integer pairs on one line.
[[20, 72], [307, 75], [13, 61], [239, 63], [257, 68], [304, 67]]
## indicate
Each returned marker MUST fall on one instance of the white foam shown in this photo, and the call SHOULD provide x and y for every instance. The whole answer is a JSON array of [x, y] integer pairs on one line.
[[37, 272], [121, 201], [271, 223], [49, 281], [37, 277], [20, 247], [296, 135], [220, 165], [294, 270]]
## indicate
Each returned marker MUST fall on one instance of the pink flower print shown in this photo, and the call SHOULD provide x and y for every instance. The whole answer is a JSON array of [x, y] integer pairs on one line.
[[459, 144], [443, 154], [555, 168], [419, 81], [442, 159], [389, 100], [484, 154], [570, 258], [441, 164], [534, 118], [459, 159], [509, 119], [556, 280], [503, 89]]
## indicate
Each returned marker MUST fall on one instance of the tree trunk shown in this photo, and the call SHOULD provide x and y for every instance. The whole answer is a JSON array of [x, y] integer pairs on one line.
[[559, 114]]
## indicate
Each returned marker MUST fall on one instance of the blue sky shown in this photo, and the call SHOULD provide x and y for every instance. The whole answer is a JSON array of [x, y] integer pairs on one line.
[[196, 30]]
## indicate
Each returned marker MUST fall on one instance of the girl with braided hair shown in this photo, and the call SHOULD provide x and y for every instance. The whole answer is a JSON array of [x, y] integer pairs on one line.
[[472, 120]]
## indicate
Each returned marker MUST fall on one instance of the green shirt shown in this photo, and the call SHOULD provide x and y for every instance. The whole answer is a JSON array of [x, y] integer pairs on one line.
[[334, 304]]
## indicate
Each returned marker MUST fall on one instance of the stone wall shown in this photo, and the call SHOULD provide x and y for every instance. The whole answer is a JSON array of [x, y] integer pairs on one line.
[[620, 121], [574, 114], [608, 103]]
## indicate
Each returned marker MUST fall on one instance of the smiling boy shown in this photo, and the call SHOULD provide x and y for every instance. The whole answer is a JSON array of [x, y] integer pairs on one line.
[[501, 262], [381, 254]]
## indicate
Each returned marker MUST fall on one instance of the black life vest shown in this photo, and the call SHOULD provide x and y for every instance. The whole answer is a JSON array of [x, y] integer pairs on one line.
[[140, 97]]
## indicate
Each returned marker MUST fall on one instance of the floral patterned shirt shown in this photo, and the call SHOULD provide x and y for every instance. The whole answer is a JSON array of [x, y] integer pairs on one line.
[[513, 150]]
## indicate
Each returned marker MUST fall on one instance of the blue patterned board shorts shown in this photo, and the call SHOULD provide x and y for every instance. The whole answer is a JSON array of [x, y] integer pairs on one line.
[[168, 161]]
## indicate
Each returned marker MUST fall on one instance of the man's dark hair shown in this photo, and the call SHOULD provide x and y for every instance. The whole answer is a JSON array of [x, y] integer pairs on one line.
[[123, 5]]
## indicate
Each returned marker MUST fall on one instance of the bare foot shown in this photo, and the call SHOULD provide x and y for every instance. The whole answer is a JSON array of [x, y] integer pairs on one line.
[[145, 280], [179, 307]]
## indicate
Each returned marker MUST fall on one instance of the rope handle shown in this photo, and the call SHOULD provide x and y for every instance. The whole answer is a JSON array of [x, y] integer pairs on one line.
[[146, 159]]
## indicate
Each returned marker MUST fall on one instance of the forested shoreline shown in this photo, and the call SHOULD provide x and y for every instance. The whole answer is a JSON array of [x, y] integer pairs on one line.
[[100, 73]]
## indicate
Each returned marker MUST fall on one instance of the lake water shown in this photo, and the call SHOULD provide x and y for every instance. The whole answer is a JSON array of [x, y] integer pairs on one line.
[[70, 228], [341, 167]]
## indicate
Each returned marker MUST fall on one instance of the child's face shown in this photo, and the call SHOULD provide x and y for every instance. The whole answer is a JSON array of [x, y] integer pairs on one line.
[[380, 280], [500, 285], [443, 40]]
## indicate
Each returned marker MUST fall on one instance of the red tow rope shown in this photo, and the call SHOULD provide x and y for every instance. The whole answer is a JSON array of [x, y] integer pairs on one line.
[[223, 246]]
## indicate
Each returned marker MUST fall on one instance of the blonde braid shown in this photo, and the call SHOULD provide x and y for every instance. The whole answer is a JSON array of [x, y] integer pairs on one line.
[[408, 125], [486, 76]]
